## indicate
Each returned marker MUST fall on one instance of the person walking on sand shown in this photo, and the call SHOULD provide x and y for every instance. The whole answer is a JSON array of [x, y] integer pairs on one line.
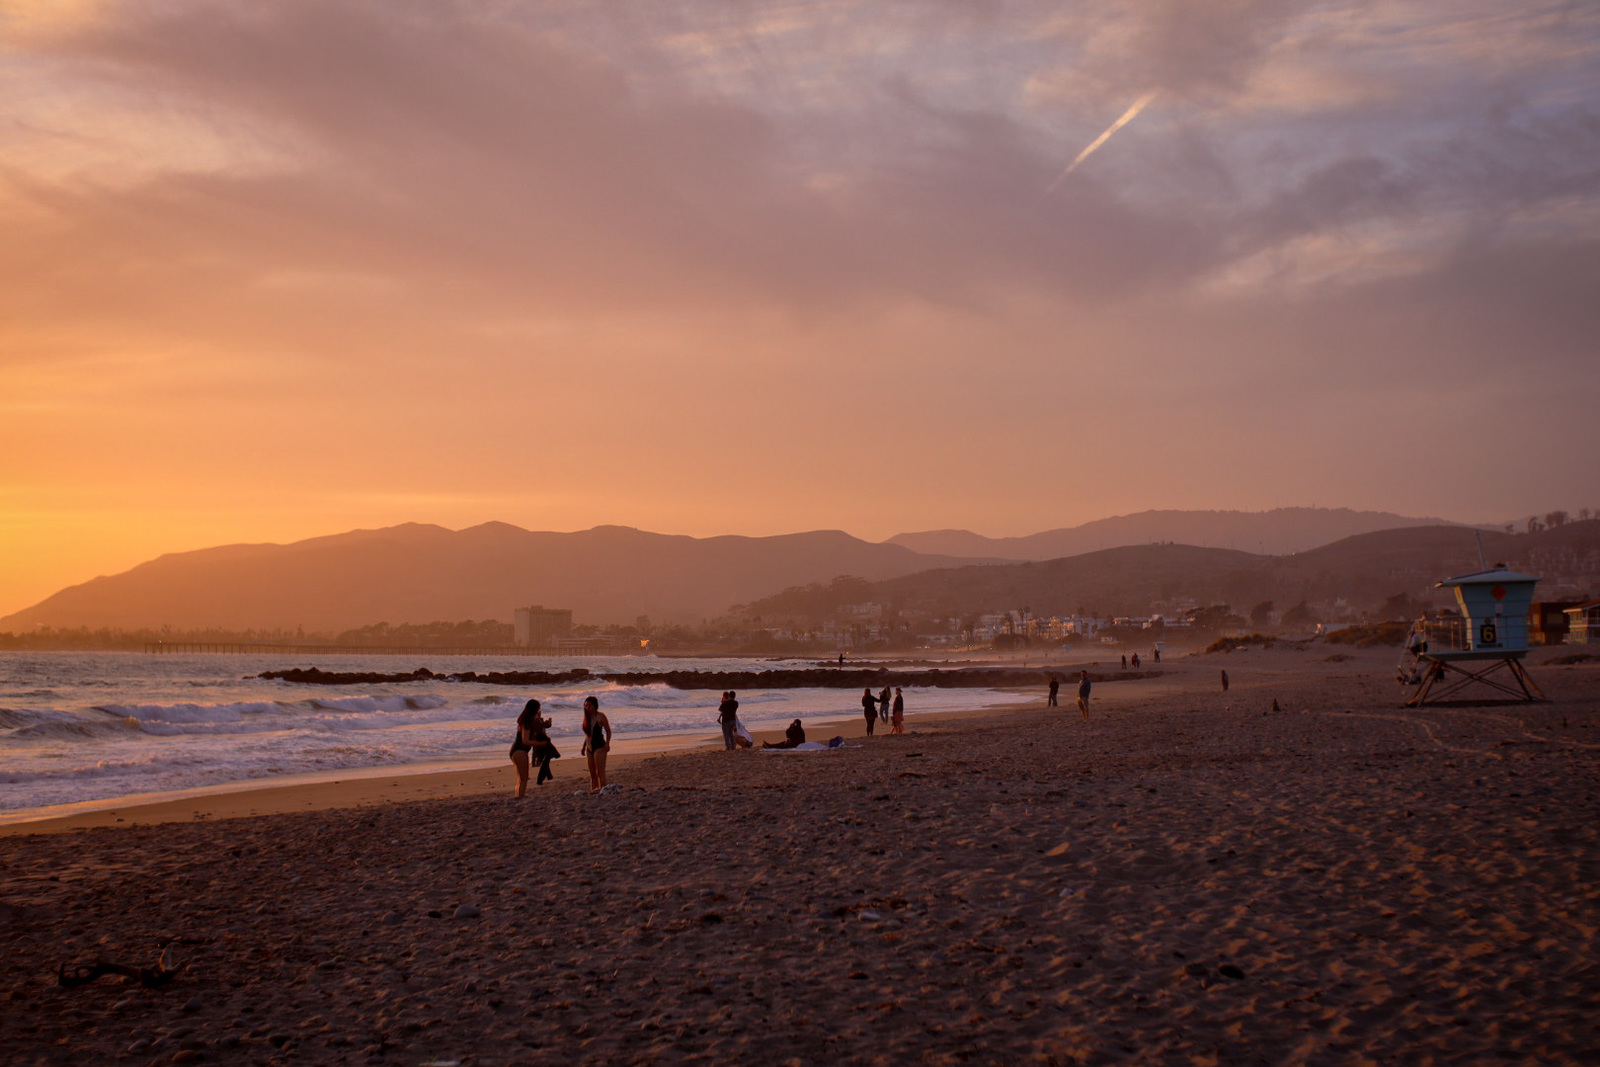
[[883, 705], [1083, 694], [529, 728], [897, 718], [1055, 688], [728, 718], [1124, 661], [1224, 681], [869, 709], [596, 742]]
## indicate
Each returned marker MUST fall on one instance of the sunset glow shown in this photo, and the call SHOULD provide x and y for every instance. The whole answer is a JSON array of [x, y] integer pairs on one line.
[[276, 271]]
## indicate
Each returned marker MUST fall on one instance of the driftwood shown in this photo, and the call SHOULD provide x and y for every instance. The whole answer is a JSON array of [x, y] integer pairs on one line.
[[149, 977]]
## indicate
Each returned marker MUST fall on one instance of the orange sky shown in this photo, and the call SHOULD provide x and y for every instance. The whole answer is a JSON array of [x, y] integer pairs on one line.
[[275, 271]]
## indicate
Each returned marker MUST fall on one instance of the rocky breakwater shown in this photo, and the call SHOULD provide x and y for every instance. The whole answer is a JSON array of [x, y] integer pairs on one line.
[[781, 678]]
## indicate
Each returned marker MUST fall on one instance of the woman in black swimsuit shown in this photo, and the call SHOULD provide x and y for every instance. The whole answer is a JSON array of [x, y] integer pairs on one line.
[[596, 742], [530, 728]]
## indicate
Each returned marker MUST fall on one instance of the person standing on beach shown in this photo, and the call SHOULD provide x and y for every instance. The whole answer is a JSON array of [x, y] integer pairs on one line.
[[728, 718], [869, 709], [1224, 681], [1083, 694], [544, 749], [883, 705], [596, 742], [1124, 661], [529, 727], [1055, 688], [897, 719]]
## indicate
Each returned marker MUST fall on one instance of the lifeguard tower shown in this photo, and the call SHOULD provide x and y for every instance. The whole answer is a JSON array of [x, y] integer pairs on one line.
[[1482, 646]]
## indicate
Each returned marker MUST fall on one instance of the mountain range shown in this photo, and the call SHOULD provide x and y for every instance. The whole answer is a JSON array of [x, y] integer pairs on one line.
[[416, 573], [1352, 576], [1270, 533], [422, 573]]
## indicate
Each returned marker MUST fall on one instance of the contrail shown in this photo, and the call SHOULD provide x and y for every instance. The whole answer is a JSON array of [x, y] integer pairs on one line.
[[1127, 117]]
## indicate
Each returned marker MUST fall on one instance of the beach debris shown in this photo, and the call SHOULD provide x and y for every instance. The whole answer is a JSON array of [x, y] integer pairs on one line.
[[1228, 970], [468, 911], [154, 977]]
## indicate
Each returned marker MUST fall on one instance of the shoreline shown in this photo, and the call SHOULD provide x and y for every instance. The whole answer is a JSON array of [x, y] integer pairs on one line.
[[369, 786]]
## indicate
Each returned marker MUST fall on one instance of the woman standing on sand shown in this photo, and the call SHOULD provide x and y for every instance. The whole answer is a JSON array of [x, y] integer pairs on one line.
[[897, 719], [869, 708], [596, 742], [530, 729]]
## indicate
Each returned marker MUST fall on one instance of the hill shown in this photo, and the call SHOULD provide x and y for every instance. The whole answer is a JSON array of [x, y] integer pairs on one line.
[[1269, 533], [419, 573], [1353, 575]]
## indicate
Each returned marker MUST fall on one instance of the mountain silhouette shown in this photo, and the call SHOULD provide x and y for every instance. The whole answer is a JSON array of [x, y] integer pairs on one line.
[[422, 573], [1271, 533]]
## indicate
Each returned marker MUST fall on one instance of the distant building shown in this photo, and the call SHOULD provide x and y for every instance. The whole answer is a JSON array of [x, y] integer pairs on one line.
[[1583, 624], [541, 627], [1548, 621]]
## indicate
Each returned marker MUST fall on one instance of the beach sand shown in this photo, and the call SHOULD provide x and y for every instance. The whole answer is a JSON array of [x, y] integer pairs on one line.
[[1188, 877]]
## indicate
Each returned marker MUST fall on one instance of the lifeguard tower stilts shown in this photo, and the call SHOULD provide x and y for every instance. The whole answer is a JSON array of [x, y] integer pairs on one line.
[[1482, 647]]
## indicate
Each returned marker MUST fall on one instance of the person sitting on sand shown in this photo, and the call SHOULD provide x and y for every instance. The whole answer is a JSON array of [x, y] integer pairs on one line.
[[897, 719], [529, 726], [596, 742], [869, 708], [793, 737]]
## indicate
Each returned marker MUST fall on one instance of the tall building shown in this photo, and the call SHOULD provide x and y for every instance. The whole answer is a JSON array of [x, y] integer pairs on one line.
[[541, 627]]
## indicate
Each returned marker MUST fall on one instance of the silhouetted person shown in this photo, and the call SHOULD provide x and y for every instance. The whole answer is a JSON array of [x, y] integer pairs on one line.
[[1055, 687], [1136, 661], [793, 737], [1124, 661], [1083, 694], [1224, 681], [1157, 653], [869, 708], [883, 705], [897, 718], [728, 719]]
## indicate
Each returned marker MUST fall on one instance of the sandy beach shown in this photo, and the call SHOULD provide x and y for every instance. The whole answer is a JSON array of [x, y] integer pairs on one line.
[[1188, 877]]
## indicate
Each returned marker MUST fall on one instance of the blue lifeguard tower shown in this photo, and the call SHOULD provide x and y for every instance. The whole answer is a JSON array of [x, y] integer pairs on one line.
[[1488, 640]]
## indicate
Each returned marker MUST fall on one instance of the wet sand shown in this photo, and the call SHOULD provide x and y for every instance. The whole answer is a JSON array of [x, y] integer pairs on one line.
[[1188, 877]]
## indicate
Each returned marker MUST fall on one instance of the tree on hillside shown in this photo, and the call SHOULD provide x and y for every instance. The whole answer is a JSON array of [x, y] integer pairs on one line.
[[1261, 615], [1214, 617], [1299, 615], [1555, 519]]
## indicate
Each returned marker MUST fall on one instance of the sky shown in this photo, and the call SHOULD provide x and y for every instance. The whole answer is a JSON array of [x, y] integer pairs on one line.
[[273, 270]]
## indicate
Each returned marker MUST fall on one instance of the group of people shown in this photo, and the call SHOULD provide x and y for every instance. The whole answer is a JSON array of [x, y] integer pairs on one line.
[[884, 708], [532, 747], [1083, 693]]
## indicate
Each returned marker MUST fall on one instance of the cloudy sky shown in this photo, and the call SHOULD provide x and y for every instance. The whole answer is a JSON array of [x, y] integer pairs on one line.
[[272, 269]]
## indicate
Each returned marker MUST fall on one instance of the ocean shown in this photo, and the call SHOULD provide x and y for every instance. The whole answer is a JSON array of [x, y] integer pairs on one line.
[[94, 729]]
